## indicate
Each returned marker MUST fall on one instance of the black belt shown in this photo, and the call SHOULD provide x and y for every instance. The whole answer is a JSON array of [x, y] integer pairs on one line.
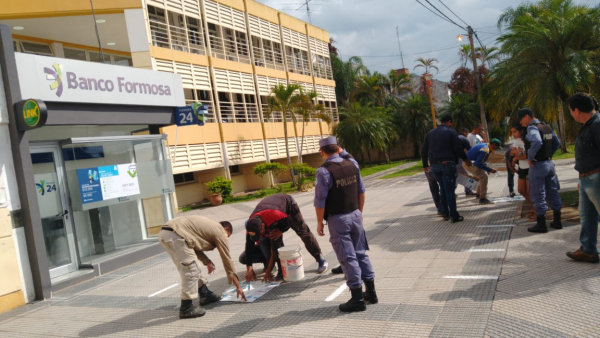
[[167, 228], [444, 162]]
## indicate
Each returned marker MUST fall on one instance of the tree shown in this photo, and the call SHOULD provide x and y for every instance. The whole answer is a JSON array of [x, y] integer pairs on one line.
[[362, 128], [552, 52], [464, 109], [414, 120], [285, 99], [427, 64], [396, 84], [464, 51], [370, 89], [306, 109], [345, 75]]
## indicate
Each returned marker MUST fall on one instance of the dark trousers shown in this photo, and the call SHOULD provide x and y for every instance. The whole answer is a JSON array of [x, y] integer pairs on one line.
[[303, 231], [511, 178], [261, 252], [446, 176], [434, 187]]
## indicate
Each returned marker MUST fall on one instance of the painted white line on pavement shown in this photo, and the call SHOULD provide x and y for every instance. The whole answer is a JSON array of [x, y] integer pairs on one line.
[[496, 226], [337, 292], [471, 277], [163, 290], [483, 250]]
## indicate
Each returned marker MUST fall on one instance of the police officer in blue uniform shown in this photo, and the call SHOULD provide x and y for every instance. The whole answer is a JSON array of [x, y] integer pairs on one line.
[[540, 144], [339, 200]]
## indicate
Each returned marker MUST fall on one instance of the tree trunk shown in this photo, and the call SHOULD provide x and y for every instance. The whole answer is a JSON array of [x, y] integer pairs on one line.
[[287, 149], [562, 130], [301, 144]]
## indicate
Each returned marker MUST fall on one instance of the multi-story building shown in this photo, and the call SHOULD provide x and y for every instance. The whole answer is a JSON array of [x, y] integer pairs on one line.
[[228, 55]]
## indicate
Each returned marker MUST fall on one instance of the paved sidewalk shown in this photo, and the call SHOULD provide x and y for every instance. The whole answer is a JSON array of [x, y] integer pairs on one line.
[[485, 277]]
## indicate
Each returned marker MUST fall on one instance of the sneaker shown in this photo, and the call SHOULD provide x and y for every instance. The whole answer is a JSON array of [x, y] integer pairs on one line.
[[446, 217], [485, 201], [476, 195], [439, 214], [322, 266], [581, 256], [459, 219], [470, 193], [512, 194]]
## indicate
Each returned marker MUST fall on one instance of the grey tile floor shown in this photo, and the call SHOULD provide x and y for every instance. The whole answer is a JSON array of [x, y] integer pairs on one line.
[[434, 279]]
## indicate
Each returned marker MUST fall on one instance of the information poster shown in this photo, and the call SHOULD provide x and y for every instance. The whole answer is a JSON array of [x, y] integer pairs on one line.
[[108, 182], [252, 291]]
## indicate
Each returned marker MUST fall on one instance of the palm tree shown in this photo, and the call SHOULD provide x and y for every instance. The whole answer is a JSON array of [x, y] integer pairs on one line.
[[464, 51], [427, 64], [307, 109], [552, 51], [370, 89], [362, 128], [396, 84], [285, 99], [464, 109], [345, 75], [414, 120]]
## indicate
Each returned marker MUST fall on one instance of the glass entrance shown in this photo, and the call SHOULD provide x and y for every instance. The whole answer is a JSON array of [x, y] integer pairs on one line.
[[54, 209]]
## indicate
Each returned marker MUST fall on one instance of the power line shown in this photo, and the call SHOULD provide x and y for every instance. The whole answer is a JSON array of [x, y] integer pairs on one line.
[[463, 21], [429, 9], [390, 56], [445, 69], [442, 13]]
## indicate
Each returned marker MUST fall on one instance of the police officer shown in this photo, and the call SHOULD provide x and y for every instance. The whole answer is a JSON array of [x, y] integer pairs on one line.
[[339, 199], [345, 155], [540, 144], [587, 163]]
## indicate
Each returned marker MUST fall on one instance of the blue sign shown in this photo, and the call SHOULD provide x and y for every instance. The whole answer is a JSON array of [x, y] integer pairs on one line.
[[89, 185], [201, 112], [185, 116]]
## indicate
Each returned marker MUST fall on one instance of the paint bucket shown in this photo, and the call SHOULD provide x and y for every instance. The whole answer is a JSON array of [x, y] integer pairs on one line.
[[291, 262]]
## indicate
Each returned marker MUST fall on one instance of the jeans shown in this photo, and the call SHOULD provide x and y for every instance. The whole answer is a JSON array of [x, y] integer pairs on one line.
[[303, 231], [446, 176], [434, 188], [589, 207], [511, 178]]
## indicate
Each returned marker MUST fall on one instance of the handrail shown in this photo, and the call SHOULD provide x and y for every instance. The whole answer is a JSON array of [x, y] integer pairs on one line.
[[229, 49]]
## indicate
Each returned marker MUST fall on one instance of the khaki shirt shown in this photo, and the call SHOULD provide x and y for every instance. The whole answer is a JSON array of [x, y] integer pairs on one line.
[[203, 234]]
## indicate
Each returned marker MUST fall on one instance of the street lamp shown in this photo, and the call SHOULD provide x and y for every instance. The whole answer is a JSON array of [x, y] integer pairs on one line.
[[428, 78]]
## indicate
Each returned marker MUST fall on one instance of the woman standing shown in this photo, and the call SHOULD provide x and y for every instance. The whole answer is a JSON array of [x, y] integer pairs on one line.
[[521, 166]]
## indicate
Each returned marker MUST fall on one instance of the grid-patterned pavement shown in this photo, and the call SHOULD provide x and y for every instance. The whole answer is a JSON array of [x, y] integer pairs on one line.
[[484, 277]]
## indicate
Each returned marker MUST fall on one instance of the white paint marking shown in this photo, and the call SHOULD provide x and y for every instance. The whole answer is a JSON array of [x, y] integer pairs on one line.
[[483, 250], [337, 292], [471, 277], [496, 226], [163, 290]]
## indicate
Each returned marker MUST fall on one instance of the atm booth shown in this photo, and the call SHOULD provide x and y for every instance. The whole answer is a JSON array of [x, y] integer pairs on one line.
[[95, 178]]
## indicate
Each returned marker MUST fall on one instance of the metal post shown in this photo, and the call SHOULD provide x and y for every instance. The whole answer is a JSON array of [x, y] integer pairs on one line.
[[97, 34], [428, 84], [478, 84]]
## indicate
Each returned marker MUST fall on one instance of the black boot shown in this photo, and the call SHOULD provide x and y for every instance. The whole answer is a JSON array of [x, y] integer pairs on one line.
[[356, 303], [337, 271], [207, 296], [188, 310], [370, 295], [556, 223], [540, 226]]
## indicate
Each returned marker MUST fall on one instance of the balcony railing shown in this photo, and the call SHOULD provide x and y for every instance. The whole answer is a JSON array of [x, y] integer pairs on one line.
[[322, 71], [298, 65], [229, 50], [176, 38], [268, 58], [239, 112]]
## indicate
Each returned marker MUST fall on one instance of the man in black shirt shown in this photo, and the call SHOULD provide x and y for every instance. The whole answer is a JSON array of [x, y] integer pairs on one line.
[[587, 163], [442, 149]]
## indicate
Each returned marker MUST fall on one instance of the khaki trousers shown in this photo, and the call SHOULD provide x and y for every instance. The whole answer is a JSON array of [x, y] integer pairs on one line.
[[186, 261], [482, 176]]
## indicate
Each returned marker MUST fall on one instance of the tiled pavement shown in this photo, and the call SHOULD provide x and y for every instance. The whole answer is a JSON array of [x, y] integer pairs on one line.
[[434, 279]]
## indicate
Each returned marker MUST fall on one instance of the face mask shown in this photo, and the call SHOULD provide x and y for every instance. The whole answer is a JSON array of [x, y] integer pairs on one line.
[[254, 238]]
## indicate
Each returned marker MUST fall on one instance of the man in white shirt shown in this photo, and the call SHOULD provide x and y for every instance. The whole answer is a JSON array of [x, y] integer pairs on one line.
[[475, 137]]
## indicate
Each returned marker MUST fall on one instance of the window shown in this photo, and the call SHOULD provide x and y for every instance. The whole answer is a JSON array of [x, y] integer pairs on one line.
[[36, 48], [235, 170], [122, 61], [75, 54], [184, 178]]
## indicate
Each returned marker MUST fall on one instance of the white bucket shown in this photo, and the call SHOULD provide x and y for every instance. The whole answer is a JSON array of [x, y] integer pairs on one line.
[[291, 262]]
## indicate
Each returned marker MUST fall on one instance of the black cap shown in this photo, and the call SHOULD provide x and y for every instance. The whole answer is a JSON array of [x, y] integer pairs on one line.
[[525, 111], [447, 118], [253, 224]]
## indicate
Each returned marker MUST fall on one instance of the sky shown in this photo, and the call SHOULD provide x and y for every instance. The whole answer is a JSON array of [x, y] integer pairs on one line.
[[367, 28]]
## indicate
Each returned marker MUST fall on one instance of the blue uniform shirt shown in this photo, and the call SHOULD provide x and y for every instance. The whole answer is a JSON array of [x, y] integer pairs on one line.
[[479, 154], [535, 138], [324, 182]]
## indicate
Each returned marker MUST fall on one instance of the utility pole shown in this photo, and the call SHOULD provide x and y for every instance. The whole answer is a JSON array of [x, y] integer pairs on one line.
[[400, 48], [308, 11], [429, 83], [478, 84]]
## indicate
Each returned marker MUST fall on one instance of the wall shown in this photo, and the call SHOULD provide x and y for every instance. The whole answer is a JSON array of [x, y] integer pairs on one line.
[[16, 286]]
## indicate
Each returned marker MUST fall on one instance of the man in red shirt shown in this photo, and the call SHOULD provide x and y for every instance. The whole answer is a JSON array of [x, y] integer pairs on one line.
[[273, 216]]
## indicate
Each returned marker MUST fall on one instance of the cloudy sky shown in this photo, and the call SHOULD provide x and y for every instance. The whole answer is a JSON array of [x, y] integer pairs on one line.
[[368, 28]]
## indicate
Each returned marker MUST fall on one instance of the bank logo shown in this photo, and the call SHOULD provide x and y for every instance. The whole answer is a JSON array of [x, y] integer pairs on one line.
[[41, 187], [56, 76]]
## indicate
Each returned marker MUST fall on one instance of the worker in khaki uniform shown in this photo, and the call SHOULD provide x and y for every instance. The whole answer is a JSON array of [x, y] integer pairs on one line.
[[185, 239]]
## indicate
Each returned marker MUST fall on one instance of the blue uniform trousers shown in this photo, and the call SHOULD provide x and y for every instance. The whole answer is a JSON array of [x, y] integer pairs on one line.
[[347, 236], [543, 185], [589, 207]]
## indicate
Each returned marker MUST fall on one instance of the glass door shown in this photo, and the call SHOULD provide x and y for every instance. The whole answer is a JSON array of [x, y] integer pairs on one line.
[[54, 209]]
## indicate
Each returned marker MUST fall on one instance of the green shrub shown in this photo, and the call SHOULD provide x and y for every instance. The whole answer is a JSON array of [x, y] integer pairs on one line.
[[305, 174], [264, 168], [220, 185]]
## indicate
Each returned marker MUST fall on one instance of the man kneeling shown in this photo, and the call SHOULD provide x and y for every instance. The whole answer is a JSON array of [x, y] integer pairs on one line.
[[185, 239]]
